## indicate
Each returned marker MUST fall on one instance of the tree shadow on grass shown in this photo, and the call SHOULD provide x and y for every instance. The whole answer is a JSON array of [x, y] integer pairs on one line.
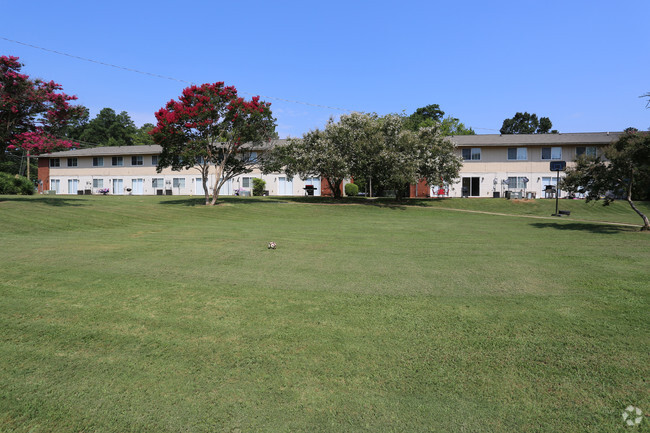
[[193, 201], [382, 202], [586, 227], [50, 201]]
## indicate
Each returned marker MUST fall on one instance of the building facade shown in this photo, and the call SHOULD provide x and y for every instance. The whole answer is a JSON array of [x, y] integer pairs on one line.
[[519, 164], [131, 170], [493, 166]]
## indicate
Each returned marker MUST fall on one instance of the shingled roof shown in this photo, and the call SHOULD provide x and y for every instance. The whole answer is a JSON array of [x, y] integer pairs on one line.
[[137, 150], [580, 138]]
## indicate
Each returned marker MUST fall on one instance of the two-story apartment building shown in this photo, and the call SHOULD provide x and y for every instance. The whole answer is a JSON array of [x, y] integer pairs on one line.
[[131, 170], [493, 164]]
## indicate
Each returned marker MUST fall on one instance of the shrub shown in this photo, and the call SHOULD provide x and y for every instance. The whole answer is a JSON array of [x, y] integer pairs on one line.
[[15, 184], [351, 190], [258, 186]]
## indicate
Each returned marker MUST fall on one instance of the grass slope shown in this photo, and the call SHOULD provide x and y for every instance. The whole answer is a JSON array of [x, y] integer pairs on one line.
[[156, 314]]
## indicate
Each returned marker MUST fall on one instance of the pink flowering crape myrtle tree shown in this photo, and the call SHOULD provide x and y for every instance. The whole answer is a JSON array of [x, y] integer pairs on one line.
[[32, 112], [210, 126]]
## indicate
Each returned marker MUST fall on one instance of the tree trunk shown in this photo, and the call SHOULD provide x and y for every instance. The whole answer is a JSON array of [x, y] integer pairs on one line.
[[646, 222], [217, 183], [204, 181]]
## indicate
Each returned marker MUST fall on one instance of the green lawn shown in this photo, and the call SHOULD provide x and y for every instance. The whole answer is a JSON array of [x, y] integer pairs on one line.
[[157, 314]]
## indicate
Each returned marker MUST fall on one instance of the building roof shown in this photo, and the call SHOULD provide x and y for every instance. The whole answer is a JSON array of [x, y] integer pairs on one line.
[[580, 138], [137, 150]]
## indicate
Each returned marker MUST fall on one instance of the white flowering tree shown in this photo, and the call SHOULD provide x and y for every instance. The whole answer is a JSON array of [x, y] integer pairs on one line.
[[366, 145]]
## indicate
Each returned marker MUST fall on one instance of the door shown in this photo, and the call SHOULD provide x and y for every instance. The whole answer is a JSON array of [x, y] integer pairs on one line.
[[55, 185], [118, 186], [315, 182], [226, 188], [73, 186], [471, 187], [138, 186], [198, 186], [285, 186]]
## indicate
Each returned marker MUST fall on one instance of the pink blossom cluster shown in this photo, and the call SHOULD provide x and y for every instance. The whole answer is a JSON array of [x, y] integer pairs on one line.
[[39, 141]]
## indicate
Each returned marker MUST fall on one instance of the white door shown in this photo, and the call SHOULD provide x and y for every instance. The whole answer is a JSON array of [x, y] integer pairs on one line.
[[315, 182], [138, 186], [285, 186], [73, 186], [55, 185], [226, 188], [118, 186]]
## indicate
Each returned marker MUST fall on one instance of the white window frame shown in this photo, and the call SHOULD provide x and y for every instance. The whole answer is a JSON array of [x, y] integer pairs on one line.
[[178, 182], [72, 162], [98, 183], [556, 153], [474, 154], [98, 161], [589, 151], [55, 162], [137, 160], [154, 159], [117, 161], [521, 154]]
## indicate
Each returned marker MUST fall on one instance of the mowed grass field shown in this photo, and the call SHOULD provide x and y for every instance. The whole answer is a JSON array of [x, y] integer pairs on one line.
[[152, 314]]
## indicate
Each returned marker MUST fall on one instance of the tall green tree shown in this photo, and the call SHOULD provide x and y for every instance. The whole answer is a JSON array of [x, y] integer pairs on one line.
[[526, 123], [108, 129], [432, 115], [142, 136], [622, 171]]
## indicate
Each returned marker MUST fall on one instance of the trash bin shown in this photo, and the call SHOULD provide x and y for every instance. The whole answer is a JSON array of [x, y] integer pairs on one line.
[[496, 194]]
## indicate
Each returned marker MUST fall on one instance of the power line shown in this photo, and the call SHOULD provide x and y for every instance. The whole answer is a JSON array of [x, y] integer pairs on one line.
[[164, 77]]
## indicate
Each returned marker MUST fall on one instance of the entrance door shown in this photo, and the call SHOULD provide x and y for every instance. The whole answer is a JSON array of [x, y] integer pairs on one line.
[[73, 186], [118, 186], [55, 185], [198, 186], [471, 187], [285, 186], [226, 188], [138, 186]]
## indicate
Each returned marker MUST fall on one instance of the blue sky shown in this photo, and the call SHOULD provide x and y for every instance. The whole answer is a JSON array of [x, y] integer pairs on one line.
[[584, 64]]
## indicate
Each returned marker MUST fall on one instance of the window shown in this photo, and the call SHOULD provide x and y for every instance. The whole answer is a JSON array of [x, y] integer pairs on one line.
[[55, 162], [551, 153], [157, 182], [137, 160], [154, 160], [118, 161], [473, 154], [586, 150], [517, 153], [251, 157], [72, 162], [98, 183], [517, 182], [98, 161], [246, 182], [179, 182]]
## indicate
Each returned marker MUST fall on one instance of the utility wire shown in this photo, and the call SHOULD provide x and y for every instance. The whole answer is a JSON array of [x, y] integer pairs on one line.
[[164, 77]]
